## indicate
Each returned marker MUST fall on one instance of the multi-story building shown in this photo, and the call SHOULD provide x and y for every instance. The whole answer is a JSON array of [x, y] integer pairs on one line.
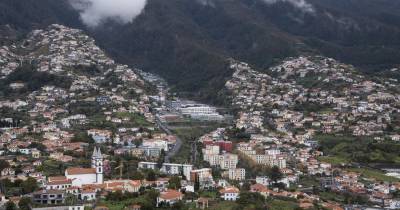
[[224, 161], [49, 197], [271, 160], [169, 168], [238, 174], [228, 161], [147, 165], [177, 169], [203, 176]]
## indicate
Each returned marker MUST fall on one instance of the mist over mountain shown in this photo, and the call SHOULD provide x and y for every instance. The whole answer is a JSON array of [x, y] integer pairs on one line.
[[189, 41], [94, 12]]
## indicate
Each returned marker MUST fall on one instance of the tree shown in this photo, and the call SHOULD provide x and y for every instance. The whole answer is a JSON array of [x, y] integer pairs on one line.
[[174, 183], [178, 205], [245, 186], [161, 159], [6, 183], [115, 196], [151, 176], [41, 147], [71, 200], [138, 142], [82, 137], [275, 174], [247, 198], [10, 206], [4, 164], [196, 185], [137, 175], [25, 203], [29, 185]]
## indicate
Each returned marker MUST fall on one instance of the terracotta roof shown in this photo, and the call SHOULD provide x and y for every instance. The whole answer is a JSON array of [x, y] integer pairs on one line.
[[88, 191], [48, 192], [114, 184], [136, 183], [75, 171], [258, 188], [58, 182], [94, 186], [230, 190], [170, 195]]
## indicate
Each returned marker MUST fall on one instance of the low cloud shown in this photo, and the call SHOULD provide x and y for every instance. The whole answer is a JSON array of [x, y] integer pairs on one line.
[[300, 4], [94, 12]]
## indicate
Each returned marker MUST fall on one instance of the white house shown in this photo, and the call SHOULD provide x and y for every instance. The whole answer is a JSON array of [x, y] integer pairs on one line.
[[230, 193]]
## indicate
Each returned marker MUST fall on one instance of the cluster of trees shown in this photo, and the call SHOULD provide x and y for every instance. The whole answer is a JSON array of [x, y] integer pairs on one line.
[[253, 169], [249, 200], [24, 204], [147, 199], [19, 187], [4, 164], [82, 137], [238, 134]]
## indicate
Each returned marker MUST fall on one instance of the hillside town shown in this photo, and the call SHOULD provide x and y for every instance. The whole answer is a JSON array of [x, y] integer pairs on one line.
[[80, 131]]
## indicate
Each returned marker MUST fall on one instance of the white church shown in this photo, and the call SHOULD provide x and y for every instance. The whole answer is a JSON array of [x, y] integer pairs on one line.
[[84, 176]]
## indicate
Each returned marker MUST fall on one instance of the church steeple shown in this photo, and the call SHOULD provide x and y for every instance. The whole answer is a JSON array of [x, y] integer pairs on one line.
[[94, 152], [97, 163], [97, 153]]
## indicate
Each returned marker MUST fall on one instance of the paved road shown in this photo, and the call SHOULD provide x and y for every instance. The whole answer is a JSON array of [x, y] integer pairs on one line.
[[171, 153]]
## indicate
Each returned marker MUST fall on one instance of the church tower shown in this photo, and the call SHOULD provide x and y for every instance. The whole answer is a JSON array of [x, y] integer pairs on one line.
[[97, 163]]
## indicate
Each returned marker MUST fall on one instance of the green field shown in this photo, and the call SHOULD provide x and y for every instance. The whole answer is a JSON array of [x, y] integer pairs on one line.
[[282, 205], [334, 160], [374, 174], [345, 149]]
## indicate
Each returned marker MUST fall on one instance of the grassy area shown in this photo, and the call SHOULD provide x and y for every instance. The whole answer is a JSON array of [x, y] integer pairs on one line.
[[326, 110], [332, 196], [225, 205], [282, 205], [208, 194], [358, 149], [334, 160], [374, 174]]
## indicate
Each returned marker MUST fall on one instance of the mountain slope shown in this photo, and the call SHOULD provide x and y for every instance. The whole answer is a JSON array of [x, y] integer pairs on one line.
[[27, 14], [188, 42]]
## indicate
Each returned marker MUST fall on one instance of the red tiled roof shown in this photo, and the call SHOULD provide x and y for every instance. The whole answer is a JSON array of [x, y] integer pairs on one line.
[[230, 190], [258, 188], [58, 182], [76, 171], [56, 178], [170, 195]]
